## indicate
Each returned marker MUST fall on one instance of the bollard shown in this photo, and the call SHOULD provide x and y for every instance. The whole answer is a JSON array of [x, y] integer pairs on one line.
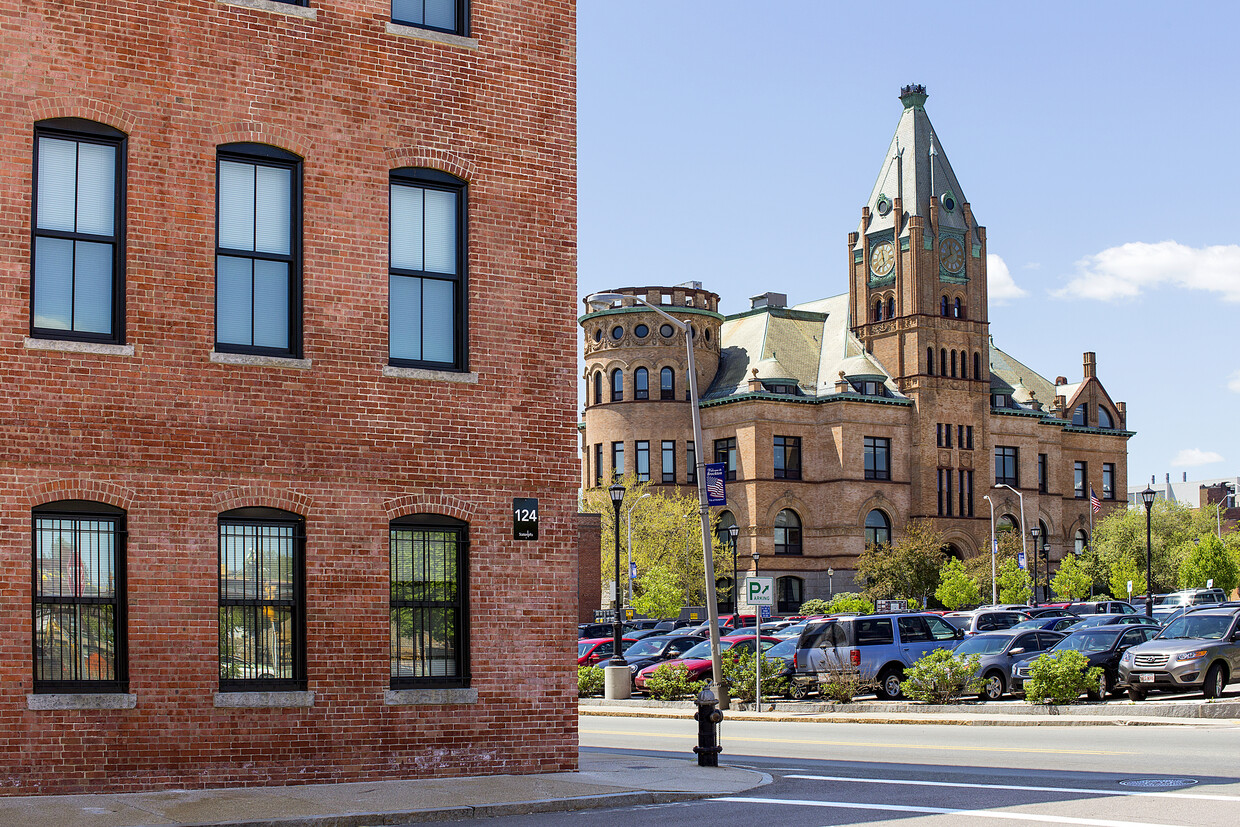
[[708, 718]]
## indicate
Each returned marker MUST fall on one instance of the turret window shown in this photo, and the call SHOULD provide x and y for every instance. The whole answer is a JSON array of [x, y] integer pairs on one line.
[[891, 307], [930, 361], [641, 384], [943, 306], [977, 366], [617, 385], [878, 310], [942, 361], [598, 387], [617, 333], [641, 331], [957, 309], [667, 384]]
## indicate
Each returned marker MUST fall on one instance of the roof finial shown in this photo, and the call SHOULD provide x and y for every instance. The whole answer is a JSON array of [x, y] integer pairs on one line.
[[913, 96]]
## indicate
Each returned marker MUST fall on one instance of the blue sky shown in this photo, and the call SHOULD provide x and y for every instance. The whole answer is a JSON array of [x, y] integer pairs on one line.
[[1096, 142]]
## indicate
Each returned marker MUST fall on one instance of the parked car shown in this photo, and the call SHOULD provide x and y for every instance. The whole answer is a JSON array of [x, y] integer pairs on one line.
[[697, 659], [1098, 607], [999, 650], [1102, 646], [657, 649], [878, 647], [727, 623], [785, 651], [1191, 597], [592, 650], [1198, 650], [793, 631], [985, 620], [1090, 621], [1051, 624], [1049, 611], [642, 634], [593, 630]]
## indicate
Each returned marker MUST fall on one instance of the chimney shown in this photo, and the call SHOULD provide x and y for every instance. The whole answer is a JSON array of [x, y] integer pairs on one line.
[[842, 385], [1153, 479], [1061, 380], [755, 384], [1168, 479], [1185, 477], [1091, 365]]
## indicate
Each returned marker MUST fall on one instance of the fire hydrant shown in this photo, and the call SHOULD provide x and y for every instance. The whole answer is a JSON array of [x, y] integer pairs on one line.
[[708, 717]]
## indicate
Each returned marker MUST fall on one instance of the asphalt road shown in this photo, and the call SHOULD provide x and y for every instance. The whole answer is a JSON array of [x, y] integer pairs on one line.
[[828, 774]]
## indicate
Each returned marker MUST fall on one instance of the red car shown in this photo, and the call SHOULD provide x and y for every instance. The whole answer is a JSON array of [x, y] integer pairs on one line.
[[592, 650], [697, 659]]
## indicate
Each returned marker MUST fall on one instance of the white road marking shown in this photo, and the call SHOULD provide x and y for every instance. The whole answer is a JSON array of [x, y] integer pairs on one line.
[[899, 808], [1086, 790]]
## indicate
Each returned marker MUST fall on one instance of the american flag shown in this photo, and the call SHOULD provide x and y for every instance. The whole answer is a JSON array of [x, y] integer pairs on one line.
[[1094, 502], [715, 488]]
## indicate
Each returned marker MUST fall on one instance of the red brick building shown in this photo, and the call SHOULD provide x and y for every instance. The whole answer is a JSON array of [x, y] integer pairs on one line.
[[287, 308]]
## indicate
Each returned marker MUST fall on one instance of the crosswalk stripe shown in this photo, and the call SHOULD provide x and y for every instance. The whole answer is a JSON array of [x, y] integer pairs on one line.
[[1018, 787]]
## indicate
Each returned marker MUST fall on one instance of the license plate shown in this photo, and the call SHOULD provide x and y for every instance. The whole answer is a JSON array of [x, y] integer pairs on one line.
[[1146, 678]]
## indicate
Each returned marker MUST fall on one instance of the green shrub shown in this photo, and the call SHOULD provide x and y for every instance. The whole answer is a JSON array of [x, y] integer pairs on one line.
[[739, 676], [671, 681], [589, 681], [850, 603], [1060, 678], [942, 677], [814, 606]]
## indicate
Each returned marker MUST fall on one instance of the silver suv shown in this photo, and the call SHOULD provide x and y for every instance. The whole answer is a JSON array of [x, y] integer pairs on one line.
[[1198, 650], [877, 648]]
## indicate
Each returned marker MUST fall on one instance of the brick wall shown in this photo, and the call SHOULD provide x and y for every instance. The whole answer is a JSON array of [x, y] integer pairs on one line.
[[175, 438]]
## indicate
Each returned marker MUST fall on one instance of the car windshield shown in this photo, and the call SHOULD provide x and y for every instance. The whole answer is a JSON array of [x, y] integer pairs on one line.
[[1035, 623], [583, 649], [784, 649], [1211, 627], [646, 647], [1097, 641], [1095, 620], [702, 650], [983, 645]]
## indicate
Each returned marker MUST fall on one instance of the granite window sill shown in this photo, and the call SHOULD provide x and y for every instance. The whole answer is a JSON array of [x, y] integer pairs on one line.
[[254, 360], [393, 372], [287, 9], [428, 697], [66, 346], [402, 30], [264, 700], [84, 700]]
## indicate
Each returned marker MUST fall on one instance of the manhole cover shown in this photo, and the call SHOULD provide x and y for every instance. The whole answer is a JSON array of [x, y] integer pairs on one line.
[[1158, 783]]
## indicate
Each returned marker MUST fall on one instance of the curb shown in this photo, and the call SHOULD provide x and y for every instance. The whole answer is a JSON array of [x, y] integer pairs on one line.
[[1011, 720]]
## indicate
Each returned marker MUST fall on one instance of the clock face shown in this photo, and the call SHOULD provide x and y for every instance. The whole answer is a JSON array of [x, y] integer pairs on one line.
[[883, 258], [951, 255]]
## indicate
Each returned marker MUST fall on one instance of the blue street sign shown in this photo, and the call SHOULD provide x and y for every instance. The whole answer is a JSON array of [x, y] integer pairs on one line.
[[1020, 559], [764, 612], [716, 493], [632, 570]]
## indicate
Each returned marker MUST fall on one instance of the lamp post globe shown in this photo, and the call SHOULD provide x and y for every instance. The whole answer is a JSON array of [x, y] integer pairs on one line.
[[616, 492], [734, 531], [1147, 497]]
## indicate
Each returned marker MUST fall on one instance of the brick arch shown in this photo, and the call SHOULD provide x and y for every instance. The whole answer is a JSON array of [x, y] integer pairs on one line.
[[431, 158], [266, 496], [75, 489], [260, 133], [883, 504], [84, 107], [790, 501], [967, 545], [422, 503]]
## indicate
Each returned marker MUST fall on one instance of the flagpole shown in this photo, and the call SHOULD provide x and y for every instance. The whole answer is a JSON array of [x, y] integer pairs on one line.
[[1090, 544]]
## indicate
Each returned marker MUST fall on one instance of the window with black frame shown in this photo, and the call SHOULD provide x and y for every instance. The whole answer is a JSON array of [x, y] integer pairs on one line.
[[641, 454], [617, 385], [790, 594], [667, 384], [79, 598], [450, 16], [878, 458], [426, 271], [429, 601], [641, 384], [1080, 478], [725, 452], [787, 457], [877, 529], [787, 532], [77, 271], [258, 251], [1006, 466], [261, 600], [1108, 480], [667, 465]]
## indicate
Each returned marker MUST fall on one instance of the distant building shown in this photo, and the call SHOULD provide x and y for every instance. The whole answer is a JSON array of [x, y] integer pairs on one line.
[[842, 419], [1216, 495]]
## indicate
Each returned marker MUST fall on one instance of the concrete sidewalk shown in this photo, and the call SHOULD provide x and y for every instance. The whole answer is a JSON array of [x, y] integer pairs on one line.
[[602, 781]]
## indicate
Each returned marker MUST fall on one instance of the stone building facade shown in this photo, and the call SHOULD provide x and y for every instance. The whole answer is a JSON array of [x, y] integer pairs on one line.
[[843, 419], [264, 414]]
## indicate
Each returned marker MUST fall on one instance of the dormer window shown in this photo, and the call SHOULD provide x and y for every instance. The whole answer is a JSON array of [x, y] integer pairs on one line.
[[1080, 416], [869, 388], [782, 388], [1000, 400], [1104, 418]]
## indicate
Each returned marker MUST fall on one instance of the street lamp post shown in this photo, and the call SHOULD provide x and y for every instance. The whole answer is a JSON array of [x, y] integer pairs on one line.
[[757, 646], [617, 657], [630, 529], [603, 301], [830, 585], [1035, 532], [734, 531], [1023, 541], [1147, 497], [1046, 567], [994, 552]]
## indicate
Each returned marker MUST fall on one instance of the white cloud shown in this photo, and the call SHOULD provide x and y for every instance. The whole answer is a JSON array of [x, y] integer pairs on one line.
[[1192, 457], [1126, 271], [999, 284], [1233, 382]]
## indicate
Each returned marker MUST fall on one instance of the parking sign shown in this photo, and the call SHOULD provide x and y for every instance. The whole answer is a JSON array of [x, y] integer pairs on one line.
[[760, 591]]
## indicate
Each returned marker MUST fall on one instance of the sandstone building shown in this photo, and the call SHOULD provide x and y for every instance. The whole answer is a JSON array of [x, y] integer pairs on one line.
[[264, 415], [842, 419]]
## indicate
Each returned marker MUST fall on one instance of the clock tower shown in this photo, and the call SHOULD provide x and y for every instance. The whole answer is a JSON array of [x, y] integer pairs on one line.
[[917, 293]]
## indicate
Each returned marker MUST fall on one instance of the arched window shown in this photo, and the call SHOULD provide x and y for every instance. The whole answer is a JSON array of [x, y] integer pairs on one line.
[[877, 529], [1080, 415], [1081, 541], [957, 310], [667, 384], [977, 366], [878, 310], [1104, 418], [641, 384], [1007, 523], [726, 520], [943, 306], [953, 364], [789, 594], [617, 385], [930, 361], [942, 361], [964, 365], [787, 532], [891, 307], [598, 387]]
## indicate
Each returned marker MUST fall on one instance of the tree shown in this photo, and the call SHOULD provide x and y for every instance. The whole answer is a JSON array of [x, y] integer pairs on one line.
[[1015, 585], [1208, 560], [956, 587], [1124, 570], [849, 603], [658, 592], [979, 567], [910, 568], [1072, 580], [667, 535], [1120, 536]]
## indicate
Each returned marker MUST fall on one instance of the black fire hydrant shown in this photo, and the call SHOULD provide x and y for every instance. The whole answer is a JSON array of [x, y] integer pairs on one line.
[[708, 717]]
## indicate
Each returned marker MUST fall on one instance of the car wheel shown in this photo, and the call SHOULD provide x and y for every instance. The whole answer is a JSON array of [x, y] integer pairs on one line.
[[992, 687], [889, 685], [798, 691], [1100, 692], [1216, 679], [1135, 694]]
